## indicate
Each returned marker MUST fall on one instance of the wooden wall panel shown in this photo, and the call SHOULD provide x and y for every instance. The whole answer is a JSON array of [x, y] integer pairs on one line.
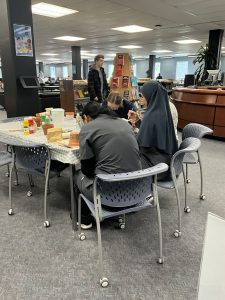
[[220, 116], [197, 113]]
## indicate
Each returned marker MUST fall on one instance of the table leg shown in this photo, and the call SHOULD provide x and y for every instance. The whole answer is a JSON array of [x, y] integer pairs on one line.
[[73, 200]]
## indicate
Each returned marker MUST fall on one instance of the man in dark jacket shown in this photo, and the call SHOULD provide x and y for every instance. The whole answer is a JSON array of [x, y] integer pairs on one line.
[[97, 84]]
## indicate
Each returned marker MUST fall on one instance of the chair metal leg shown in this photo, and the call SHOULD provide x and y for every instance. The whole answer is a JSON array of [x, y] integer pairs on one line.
[[16, 173], [46, 222], [103, 280], [156, 201], [177, 232], [202, 195], [188, 180], [81, 235], [186, 207], [10, 212], [30, 192]]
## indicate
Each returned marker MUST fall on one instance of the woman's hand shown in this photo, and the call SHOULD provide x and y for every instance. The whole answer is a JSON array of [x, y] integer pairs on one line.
[[133, 117]]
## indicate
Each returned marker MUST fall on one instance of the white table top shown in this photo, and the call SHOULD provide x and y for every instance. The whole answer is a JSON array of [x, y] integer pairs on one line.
[[212, 273], [14, 131]]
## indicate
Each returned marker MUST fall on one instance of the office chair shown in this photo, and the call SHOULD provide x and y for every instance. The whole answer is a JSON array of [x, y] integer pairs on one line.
[[125, 192], [188, 145], [197, 131], [189, 79], [33, 159]]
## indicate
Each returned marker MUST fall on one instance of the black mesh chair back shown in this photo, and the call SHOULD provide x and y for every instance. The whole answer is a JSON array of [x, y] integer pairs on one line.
[[189, 79]]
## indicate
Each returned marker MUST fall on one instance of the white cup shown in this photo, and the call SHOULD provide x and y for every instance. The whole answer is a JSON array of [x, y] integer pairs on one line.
[[57, 116]]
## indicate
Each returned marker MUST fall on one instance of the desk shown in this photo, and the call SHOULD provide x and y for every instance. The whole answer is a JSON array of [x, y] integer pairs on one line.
[[202, 106], [13, 131]]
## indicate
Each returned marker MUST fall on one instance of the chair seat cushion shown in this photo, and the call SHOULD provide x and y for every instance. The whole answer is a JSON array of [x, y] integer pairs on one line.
[[107, 213], [190, 158]]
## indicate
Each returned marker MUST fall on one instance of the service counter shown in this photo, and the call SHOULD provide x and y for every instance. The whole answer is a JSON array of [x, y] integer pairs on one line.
[[204, 106]]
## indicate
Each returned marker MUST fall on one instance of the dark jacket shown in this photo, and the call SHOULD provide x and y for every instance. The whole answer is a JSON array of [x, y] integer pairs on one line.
[[122, 111], [94, 84]]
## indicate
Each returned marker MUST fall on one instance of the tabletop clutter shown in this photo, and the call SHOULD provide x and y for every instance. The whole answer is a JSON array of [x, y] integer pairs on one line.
[[51, 122]]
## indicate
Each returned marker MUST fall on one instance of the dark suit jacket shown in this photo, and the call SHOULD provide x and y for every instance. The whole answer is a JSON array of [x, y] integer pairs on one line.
[[94, 84]]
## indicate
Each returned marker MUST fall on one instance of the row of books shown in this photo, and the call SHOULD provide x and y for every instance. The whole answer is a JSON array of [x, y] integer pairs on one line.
[[133, 93], [78, 93], [126, 81]]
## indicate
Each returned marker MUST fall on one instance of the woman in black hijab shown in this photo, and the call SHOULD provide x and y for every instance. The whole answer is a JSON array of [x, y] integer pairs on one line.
[[156, 137]]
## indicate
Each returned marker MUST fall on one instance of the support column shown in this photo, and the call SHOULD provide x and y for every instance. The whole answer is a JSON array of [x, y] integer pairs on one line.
[[214, 44], [41, 67], [76, 62], [85, 68], [18, 57], [151, 66]]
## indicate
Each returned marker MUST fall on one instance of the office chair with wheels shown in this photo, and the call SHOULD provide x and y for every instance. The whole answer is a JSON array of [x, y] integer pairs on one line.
[[188, 145], [33, 159], [121, 194], [197, 131]]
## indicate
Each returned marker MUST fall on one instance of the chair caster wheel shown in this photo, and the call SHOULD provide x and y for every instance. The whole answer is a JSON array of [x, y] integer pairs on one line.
[[104, 282], [160, 260], [10, 212], [122, 225], [82, 236], [202, 197], [188, 180], [177, 233], [29, 194], [46, 224], [187, 209], [120, 220]]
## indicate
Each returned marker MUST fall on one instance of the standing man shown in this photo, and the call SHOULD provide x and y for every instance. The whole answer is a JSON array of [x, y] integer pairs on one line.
[[97, 84]]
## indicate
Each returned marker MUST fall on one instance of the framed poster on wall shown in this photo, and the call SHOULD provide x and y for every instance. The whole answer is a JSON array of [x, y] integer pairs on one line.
[[23, 40]]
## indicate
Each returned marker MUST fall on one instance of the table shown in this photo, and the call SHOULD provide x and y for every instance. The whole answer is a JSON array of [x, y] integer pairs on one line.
[[12, 131]]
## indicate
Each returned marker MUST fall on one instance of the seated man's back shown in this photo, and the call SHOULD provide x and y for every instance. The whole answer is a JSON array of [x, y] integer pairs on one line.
[[110, 141]]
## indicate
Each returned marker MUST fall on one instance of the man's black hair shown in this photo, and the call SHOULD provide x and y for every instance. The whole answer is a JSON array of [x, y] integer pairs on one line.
[[93, 109]]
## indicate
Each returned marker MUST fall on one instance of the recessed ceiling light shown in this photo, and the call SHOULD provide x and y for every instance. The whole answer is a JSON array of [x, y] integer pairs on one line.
[[132, 29], [187, 42], [69, 38], [49, 54], [166, 57], [162, 51], [49, 10], [130, 47]]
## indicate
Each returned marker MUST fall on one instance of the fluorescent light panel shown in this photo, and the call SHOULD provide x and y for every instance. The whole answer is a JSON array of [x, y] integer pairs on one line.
[[162, 51], [130, 47], [49, 54], [69, 38], [132, 29], [185, 42], [50, 10]]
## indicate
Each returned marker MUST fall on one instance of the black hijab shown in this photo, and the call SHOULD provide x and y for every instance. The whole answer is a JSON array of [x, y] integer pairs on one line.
[[157, 128]]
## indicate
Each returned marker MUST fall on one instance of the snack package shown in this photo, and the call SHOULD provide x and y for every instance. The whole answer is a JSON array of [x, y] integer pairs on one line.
[[54, 135]]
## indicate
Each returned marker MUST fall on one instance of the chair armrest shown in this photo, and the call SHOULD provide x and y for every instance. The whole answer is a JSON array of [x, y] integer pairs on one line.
[[159, 168]]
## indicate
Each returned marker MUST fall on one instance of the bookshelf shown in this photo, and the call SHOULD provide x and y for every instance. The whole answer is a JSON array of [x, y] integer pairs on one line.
[[73, 93], [123, 81]]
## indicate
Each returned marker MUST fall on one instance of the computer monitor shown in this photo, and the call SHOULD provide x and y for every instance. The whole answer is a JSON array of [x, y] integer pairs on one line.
[[213, 74], [29, 82]]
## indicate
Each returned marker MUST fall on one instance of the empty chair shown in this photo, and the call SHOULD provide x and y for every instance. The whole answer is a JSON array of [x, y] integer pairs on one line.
[[188, 145], [33, 159], [197, 131], [121, 194]]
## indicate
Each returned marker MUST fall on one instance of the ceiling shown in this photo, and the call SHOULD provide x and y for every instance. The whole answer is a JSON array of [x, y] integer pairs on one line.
[[179, 19]]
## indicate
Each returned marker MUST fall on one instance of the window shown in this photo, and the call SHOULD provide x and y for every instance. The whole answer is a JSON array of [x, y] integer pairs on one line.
[[110, 70], [157, 69], [181, 69], [52, 71], [65, 72], [134, 67]]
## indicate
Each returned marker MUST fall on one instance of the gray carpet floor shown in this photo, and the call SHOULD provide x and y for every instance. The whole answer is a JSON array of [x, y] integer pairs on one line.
[[39, 263]]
